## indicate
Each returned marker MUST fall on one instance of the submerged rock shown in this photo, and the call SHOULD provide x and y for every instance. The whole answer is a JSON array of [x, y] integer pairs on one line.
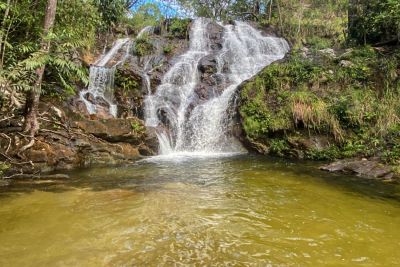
[[362, 167]]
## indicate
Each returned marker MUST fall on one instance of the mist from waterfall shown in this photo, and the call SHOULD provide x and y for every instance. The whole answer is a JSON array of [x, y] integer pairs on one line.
[[204, 128]]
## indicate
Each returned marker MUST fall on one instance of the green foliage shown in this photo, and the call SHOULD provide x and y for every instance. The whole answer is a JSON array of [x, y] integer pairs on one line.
[[74, 31], [126, 82], [179, 27], [4, 167], [168, 49], [137, 127], [313, 113], [310, 21], [357, 105], [279, 146], [111, 12], [332, 152], [143, 46], [374, 21], [319, 43], [146, 15]]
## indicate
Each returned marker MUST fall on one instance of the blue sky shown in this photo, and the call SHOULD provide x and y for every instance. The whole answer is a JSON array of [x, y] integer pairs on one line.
[[168, 8]]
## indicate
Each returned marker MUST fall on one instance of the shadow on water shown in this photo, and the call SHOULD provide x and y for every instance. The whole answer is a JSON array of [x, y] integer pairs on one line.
[[152, 175]]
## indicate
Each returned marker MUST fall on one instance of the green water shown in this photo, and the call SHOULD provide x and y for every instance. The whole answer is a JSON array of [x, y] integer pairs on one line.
[[240, 211]]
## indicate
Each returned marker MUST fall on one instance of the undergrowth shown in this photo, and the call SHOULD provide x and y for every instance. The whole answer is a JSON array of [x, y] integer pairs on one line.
[[352, 99]]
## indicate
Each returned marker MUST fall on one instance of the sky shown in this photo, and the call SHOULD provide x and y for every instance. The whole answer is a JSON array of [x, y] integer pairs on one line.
[[168, 8]]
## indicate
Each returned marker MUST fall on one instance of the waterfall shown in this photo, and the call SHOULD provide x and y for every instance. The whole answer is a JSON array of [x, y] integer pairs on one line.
[[190, 127], [101, 87], [101, 78]]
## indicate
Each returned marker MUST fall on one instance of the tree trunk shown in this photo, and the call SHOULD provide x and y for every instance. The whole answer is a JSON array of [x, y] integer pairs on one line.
[[3, 29], [33, 96]]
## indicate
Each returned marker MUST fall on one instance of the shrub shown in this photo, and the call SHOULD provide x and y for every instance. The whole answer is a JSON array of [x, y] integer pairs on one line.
[[179, 27], [168, 49], [143, 46]]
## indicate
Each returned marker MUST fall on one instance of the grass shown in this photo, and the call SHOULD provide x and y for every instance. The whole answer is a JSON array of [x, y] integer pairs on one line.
[[357, 105]]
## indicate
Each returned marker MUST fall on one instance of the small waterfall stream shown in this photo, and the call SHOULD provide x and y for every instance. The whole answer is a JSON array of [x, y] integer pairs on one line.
[[185, 126], [101, 76]]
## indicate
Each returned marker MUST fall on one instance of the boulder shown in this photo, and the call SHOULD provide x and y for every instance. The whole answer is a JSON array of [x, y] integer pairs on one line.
[[329, 52], [346, 64], [208, 64], [215, 33], [114, 130], [361, 167]]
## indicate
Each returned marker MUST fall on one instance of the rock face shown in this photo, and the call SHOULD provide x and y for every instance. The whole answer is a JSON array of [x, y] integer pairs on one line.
[[362, 167], [68, 140], [89, 142], [210, 81]]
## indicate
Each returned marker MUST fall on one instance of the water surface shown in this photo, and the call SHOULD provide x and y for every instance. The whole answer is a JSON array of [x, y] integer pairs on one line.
[[222, 211]]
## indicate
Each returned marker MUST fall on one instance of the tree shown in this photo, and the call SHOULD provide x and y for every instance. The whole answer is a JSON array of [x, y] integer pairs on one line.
[[112, 11], [374, 21], [32, 100]]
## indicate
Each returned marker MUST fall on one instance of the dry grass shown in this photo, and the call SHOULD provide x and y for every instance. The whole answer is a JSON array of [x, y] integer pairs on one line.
[[314, 114]]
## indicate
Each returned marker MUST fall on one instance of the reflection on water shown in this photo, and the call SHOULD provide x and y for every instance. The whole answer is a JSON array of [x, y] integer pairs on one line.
[[218, 211]]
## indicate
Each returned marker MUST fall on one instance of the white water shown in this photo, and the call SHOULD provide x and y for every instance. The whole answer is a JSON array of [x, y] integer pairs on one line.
[[101, 77], [113, 51], [205, 128], [101, 85], [145, 30]]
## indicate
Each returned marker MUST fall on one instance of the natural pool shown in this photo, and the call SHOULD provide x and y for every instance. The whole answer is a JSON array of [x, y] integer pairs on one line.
[[218, 211]]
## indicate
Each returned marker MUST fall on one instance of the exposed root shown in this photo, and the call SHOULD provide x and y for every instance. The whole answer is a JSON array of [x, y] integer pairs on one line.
[[27, 146], [9, 141], [7, 118]]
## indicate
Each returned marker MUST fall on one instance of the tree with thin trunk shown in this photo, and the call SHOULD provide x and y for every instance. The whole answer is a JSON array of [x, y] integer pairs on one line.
[[33, 96]]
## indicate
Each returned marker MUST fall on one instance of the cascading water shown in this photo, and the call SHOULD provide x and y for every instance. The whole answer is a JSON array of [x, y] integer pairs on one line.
[[101, 77], [173, 96], [204, 128]]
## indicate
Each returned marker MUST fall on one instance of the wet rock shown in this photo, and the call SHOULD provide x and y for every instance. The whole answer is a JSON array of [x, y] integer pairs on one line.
[[128, 151], [77, 106], [361, 167], [208, 64], [113, 130], [316, 142], [38, 155], [151, 141], [89, 97], [215, 33]]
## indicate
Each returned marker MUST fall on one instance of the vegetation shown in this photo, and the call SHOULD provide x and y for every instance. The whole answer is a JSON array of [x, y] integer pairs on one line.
[[340, 81], [179, 28], [143, 46], [318, 95], [3, 168]]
